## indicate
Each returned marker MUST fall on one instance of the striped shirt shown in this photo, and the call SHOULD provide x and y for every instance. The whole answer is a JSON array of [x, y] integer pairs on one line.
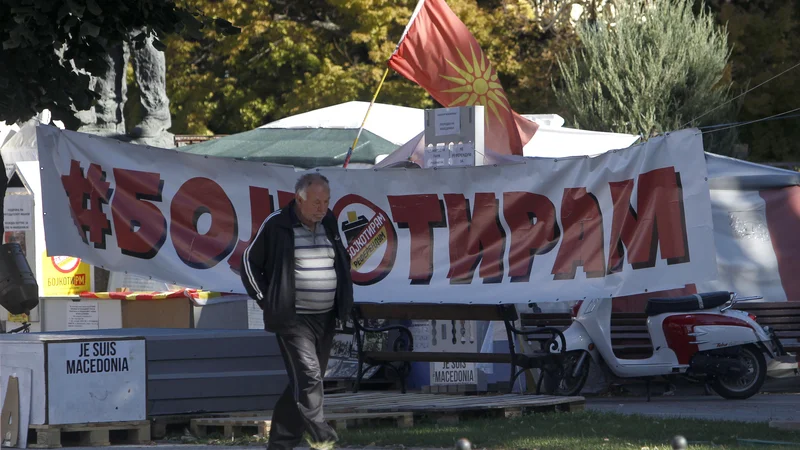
[[314, 273]]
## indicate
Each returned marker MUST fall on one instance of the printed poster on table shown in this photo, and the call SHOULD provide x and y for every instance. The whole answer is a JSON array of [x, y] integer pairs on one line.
[[83, 315]]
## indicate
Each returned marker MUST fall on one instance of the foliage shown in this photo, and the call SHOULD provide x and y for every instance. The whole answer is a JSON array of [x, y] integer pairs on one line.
[[765, 41], [653, 68], [48, 46], [292, 57]]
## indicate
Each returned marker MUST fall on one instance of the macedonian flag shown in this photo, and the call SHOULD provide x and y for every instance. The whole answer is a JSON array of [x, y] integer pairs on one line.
[[438, 52]]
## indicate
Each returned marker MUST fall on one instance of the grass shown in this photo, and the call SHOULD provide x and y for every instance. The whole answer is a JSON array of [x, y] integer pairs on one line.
[[563, 431], [576, 431]]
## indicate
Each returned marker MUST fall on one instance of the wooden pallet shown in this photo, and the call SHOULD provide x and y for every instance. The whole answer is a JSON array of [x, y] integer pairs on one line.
[[92, 434], [240, 426], [451, 408], [160, 425]]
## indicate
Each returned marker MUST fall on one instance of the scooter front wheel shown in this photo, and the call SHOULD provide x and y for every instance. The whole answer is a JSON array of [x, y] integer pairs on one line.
[[747, 384], [567, 382]]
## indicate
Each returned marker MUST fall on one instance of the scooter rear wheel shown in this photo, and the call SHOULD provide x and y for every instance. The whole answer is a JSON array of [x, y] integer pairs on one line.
[[747, 384]]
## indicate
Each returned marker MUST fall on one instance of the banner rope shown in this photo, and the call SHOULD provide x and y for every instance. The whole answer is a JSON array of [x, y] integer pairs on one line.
[[720, 125], [740, 95], [740, 124]]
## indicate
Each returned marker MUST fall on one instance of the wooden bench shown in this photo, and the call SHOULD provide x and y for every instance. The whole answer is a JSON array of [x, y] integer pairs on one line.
[[402, 347], [629, 336], [782, 317], [630, 339]]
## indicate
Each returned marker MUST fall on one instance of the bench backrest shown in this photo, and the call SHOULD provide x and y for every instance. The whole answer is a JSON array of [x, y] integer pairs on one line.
[[434, 311], [783, 317], [626, 328]]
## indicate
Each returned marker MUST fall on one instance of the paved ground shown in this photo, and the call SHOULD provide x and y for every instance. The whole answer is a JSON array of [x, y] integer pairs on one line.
[[759, 408]]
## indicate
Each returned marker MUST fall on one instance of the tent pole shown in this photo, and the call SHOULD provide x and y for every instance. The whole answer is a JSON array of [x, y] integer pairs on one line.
[[350, 150]]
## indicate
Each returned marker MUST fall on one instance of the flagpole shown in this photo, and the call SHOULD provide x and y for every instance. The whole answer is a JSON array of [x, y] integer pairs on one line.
[[386, 72], [414, 14], [350, 150]]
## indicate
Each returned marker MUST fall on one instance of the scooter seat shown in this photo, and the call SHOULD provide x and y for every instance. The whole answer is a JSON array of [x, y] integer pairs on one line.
[[697, 302]]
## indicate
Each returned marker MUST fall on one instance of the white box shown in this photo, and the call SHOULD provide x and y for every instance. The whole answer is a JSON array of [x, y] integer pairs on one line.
[[454, 137], [81, 378], [75, 313]]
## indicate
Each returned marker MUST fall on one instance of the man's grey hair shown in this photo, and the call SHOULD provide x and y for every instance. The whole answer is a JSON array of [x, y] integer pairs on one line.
[[307, 180]]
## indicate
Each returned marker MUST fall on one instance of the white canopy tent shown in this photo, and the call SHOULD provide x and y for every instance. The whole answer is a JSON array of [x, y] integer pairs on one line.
[[397, 124], [18, 142], [404, 126], [6, 131]]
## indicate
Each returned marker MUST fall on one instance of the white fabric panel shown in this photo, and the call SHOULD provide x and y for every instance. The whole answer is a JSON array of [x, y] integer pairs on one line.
[[745, 257]]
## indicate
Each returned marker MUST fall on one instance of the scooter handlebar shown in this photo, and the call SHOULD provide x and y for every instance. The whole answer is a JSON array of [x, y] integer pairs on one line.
[[747, 299], [735, 297]]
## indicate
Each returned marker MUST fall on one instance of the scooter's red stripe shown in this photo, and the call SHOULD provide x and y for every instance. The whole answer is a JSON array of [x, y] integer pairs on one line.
[[677, 328]]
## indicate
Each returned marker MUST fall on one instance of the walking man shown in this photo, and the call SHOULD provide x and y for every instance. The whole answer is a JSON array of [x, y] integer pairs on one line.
[[298, 272]]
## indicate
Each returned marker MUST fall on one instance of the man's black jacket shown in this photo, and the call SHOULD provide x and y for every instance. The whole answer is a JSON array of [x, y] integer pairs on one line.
[[268, 268]]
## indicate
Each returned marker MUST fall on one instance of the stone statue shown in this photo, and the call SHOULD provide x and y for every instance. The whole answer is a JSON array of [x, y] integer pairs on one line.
[[106, 118]]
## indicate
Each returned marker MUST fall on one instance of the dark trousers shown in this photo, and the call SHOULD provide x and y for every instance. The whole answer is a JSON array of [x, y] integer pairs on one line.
[[305, 345]]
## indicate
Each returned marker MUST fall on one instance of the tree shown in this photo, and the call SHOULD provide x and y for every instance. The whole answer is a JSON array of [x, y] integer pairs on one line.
[[765, 41], [292, 57], [652, 68], [48, 47]]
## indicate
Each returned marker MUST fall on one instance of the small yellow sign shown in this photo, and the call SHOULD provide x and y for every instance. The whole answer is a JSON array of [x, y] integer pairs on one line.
[[18, 318], [65, 275]]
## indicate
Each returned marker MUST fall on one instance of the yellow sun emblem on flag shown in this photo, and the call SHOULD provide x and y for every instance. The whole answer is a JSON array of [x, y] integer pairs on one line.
[[478, 84]]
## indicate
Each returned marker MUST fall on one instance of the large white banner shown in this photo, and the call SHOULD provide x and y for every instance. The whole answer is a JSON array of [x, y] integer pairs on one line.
[[625, 222]]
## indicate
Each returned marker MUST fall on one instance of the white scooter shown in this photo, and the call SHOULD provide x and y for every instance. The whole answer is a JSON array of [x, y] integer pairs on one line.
[[698, 336]]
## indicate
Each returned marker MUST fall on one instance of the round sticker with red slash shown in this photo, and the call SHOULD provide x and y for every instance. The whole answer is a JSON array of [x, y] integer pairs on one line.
[[370, 238], [65, 264]]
